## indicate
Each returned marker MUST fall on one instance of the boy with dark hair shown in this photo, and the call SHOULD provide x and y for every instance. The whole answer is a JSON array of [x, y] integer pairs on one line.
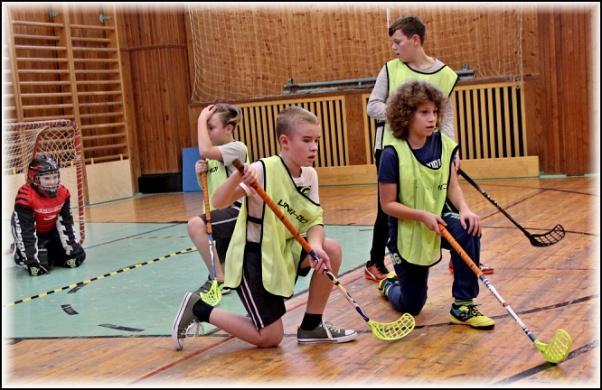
[[416, 179], [412, 63]]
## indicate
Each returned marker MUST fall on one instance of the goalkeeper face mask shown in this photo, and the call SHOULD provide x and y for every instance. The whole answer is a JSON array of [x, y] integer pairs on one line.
[[43, 175], [49, 183]]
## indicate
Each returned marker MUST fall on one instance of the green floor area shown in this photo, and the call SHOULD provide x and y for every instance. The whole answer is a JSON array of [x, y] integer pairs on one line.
[[140, 301]]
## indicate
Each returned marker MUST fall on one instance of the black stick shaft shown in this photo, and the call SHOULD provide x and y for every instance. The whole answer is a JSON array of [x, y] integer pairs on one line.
[[489, 198]]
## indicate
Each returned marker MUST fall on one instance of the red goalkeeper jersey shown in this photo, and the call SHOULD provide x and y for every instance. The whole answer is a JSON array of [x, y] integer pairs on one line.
[[46, 210]]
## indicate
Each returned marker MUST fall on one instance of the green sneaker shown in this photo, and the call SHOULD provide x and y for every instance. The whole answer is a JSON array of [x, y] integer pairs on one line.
[[470, 315], [325, 333], [71, 263], [385, 284]]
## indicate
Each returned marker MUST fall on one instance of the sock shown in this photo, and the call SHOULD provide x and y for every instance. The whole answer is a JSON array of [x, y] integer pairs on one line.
[[311, 321], [202, 310]]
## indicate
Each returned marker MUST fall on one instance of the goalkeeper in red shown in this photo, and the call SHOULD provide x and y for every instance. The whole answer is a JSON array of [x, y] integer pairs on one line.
[[42, 224]]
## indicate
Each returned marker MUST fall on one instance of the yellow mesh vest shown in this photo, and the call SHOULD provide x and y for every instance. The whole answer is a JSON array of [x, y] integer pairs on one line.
[[422, 188], [280, 251], [398, 72], [217, 174]]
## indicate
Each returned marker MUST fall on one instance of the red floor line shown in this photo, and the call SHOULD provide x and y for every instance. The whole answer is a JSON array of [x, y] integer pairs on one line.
[[167, 366], [187, 357]]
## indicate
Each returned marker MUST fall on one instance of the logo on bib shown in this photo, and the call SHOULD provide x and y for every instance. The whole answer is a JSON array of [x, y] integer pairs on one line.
[[291, 211]]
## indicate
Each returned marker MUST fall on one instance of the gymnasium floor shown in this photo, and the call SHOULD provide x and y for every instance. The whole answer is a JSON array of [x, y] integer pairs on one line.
[[108, 322], [140, 294]]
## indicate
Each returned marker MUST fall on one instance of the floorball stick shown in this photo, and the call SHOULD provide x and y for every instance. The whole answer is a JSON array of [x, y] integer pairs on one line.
[[383, 331], [548, 238], [214, 294], [556, 350]]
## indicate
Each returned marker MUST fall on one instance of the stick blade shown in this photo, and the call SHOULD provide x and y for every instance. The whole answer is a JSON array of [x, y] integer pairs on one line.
[[549, 238], [558, 349], [391, 331], [213, 296]]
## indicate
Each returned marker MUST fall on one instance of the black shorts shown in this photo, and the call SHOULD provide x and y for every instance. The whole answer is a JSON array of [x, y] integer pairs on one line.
[[223, 222], [263, 307]]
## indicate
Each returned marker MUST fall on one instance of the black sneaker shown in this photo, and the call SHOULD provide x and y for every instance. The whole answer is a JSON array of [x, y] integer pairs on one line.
[[185, 320], [389, 281], [225, 290], [325, 333], [204, 288]]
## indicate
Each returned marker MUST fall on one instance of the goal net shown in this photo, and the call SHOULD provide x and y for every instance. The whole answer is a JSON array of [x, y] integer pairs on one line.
[[59, 139], [248, 53]]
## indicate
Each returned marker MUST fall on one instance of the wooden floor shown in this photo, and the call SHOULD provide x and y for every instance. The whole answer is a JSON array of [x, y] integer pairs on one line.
[[549, 288]]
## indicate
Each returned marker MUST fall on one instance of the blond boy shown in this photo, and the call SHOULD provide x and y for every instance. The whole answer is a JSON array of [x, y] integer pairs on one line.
[[264, 260]]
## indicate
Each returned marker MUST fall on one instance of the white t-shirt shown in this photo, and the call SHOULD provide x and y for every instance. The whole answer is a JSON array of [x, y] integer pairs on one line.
[[232, 151], [377, 103], [307, 183]]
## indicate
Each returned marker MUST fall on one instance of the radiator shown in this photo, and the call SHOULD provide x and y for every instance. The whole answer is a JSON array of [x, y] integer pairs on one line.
[[258, 128], [489, 121]]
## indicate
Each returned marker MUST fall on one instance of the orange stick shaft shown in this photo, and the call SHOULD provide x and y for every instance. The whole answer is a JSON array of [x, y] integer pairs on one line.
[[458, 248], [206, 202], [266, 198]]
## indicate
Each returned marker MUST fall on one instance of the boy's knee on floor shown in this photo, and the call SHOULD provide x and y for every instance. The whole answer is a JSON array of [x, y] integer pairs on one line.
[[270, 340], [414, 307]]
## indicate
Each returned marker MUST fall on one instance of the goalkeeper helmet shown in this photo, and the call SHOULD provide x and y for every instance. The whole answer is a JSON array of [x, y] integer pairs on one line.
[[44, 176]]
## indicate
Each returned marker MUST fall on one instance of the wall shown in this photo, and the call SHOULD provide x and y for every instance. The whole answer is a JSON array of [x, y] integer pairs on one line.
[[559, 96], [246, 53], [154, 51], [157, 49]]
